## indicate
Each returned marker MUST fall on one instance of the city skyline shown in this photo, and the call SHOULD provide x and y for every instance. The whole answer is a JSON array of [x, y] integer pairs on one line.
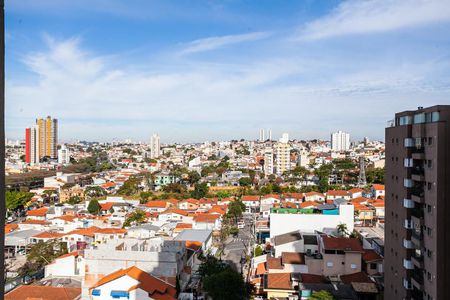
[[223, 71]]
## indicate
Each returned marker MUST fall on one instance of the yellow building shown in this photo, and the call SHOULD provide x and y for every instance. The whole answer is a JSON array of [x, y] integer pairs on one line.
[[48, 133]]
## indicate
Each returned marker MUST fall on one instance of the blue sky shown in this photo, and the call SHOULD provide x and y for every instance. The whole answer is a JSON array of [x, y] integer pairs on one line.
[[219, 70]]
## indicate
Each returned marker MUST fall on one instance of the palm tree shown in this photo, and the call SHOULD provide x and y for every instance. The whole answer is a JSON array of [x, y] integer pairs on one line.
[[342, 229]]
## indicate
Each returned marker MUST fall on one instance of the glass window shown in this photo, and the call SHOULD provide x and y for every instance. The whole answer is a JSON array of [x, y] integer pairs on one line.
[[405, 120], [419, 118], [435, 116]]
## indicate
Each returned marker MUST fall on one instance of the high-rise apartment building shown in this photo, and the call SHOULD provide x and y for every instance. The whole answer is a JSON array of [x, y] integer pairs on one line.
[[268, 161], [340, 141], [155, 146], [64, 155], [417, 223], [41, 140], [283, 155], [261, 135]]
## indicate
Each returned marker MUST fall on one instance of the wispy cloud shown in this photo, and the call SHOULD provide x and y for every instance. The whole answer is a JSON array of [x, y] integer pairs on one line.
[[212, 43], [371, 16]]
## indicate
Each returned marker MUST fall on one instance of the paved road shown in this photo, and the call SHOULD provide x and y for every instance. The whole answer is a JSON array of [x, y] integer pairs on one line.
[[237, 247]]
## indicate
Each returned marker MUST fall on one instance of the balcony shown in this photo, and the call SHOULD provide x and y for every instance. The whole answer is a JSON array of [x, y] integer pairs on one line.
[[407, 284], [407, 264], [409, 142], [417, 238], [408, 244], [417, 260], [417, 212], [418, 152], [418, 173], [408, 183], [408, 162], [408, 203], [417, 278], [418, 194], [408, 224]]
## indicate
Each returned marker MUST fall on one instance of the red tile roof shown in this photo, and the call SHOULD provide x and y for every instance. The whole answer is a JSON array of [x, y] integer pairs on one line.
[[378, 187], [156, 288], [370, 255], [340, 193], [341, 243], [308, 204], [293, 258], [355, 277], [34, 292], [274, 263], [194, 245], [48, 235], [250, 198], [10, 228], [175, 211], [156, 204], [40, 212], [206, 218], [279, 281]]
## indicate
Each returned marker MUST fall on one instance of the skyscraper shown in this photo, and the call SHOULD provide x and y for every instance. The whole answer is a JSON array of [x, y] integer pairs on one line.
[[155, 146], [41, 140], [417, 226], [283, 155], [340, 141], [269, 134], [268, 161], [261, 135]]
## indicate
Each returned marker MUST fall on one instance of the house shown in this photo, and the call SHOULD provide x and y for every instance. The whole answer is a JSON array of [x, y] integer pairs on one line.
[[278, 285], [372, 262], [43, 293], [37, 214], [175, 214], [314, 196], [340, 255], [80, 238], [155, 206], [189, 204], [378, 205], [182, 226], [295, 241], [45, 236], [337, 194], [293, 197], [355, 192], [133, 284], [377, 190], [252, 203], [207, 221], [204, 237], [102, 235], [67, 265]]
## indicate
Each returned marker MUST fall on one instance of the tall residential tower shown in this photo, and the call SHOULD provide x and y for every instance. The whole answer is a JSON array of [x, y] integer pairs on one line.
[[340, 141], [155, 146], [41, 140], [417, 223]]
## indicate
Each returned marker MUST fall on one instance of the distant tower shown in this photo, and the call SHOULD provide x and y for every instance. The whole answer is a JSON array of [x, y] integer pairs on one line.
[[269, 134], [261, 135], [155, 146], [362, 182]]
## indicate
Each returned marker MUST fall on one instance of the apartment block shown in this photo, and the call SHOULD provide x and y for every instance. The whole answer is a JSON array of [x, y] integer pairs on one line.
[[417, 227]]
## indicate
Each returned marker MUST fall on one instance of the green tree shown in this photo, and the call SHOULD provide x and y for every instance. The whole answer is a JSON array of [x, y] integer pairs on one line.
[[174, 188], [258, 251], [136, 217], [210, 266], [41, 254], [375, 175], [144, 197], [322, 295], [342, 229], [200, 191], [129, 187], [94, 207], [74, 200], [235, 210], [194, 177], [17, 200], [245, 181], [227, 284]]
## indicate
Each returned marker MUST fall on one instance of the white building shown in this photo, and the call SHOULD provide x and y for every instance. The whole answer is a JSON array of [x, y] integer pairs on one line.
[[283, 155], [261, 135], [64, 155], [340, 141], [155, 146], [268, 161], [310, 222]]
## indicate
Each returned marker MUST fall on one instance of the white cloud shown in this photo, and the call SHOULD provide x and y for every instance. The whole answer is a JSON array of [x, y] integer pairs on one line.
[[212, 43], [370, 16]]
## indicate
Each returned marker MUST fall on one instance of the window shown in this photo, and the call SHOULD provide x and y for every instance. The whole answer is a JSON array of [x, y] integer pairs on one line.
[[429, 185], [435, 116], [429, 208], [329, 264], [373, 266], [429, 276], [353, 266], [429, 253], [430, 141], [419, 118], [430, 163], [406, 120]]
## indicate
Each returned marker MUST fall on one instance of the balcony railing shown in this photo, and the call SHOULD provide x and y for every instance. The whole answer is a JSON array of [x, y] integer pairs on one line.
[[407, 182], [418, 276], [408, 224], [408, 203], [408, 244], [407, 264], [407, 284], [417, 212]]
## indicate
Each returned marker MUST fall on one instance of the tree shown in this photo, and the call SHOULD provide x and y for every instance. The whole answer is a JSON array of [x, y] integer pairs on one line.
[[136, 217], [322, 295], [235, 210], [94, 191], [194, 177], [211, 265], [17, 200], [258, 251], [375, 175], [200, 191], [342, 229], [174, 188], [227, 284], [74, 200], [144, 196], [245, 181], [129, 187], [41, 254], [94, 207]]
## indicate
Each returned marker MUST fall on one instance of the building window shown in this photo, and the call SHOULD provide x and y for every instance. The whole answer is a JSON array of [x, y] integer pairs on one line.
[[430, 163], [430, 141], [429, 185], [353, 266], [429, 208], [373, 266], [429, 276], [329, 264], [429, 253]]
